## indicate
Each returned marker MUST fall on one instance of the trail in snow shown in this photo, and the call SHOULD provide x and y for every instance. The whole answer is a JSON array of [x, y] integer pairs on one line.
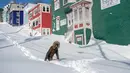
[[82, 66]]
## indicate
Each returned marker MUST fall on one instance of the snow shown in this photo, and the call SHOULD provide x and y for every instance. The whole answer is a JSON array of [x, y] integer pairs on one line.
[[82, 66], [97, 57]]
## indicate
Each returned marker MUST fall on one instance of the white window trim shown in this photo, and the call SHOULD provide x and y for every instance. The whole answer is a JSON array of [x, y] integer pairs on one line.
[[55, 3], [77, 20], [43, 30], [87, 18], [58, 25], [69, 1], [42, 8], [79, 35], [30, 14], [49, 9], [65, 3], [70, 17], [46, 31], [46, 9], [63, 22], [80, 19]]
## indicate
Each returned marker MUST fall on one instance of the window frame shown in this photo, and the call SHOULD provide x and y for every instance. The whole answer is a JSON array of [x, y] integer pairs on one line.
[[64, 2], [80, 13], [87, 13], [33, 23], [44, 7], [48, 9], [75, 15], [58, 21], [48, 32], [56, 4], [30, 15], [36, 22]]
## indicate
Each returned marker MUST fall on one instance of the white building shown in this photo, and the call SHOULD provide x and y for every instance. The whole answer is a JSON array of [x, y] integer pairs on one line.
[[27, 7]]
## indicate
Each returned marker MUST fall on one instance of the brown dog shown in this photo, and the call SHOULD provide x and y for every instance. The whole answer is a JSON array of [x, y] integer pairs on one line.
[[53, 50]]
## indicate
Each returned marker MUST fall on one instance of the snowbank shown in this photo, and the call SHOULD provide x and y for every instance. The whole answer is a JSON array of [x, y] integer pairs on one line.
[[82, 66]]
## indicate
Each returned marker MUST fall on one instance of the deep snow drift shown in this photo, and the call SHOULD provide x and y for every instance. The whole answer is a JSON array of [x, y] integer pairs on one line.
[[97, 57]]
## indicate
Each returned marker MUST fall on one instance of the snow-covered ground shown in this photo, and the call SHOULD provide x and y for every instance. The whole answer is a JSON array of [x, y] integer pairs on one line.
[[27, 54]]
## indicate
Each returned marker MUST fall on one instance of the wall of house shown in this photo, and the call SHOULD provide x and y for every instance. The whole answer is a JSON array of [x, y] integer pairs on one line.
[[112, 23], [80, 32], [26, 9], [62, 16], [16, 7], [15, 19]]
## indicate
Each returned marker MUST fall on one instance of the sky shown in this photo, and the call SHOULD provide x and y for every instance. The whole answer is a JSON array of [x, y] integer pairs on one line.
[[5, 2]]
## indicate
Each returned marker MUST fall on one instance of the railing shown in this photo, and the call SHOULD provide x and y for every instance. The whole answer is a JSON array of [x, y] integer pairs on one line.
[[69, 34], [69, 30]]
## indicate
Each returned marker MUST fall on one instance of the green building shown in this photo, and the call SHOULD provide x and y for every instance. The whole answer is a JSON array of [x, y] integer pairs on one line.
[[82, 21], [72, 18], [107, 20], [59, 7], [111, 21]]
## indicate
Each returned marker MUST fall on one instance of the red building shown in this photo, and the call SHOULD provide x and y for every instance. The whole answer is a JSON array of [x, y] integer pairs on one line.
[[40, 18]]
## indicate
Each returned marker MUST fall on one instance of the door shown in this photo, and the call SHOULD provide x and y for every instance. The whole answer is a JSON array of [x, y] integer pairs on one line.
[[79, 39]]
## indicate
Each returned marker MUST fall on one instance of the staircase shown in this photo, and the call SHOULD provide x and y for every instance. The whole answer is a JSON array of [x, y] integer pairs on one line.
[[69, 34]]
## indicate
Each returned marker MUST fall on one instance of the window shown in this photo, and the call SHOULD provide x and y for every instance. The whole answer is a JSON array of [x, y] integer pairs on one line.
[[72, 17], [57, 23], [65, 2], [69, 19], [47, 31], [33, 24], [36, 11], [80, 13], [30, 14], [39, 20], [36, 22], [79, 38], [43, 31], [18, 14], [54, 25], [69, 22], [47, 9], [86, 12], [57, 4], [17, 21], [44, 8], [17, 6], [75, 14]]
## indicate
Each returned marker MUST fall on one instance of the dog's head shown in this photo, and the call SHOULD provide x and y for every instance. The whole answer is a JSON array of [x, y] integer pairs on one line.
[[56, 44]]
